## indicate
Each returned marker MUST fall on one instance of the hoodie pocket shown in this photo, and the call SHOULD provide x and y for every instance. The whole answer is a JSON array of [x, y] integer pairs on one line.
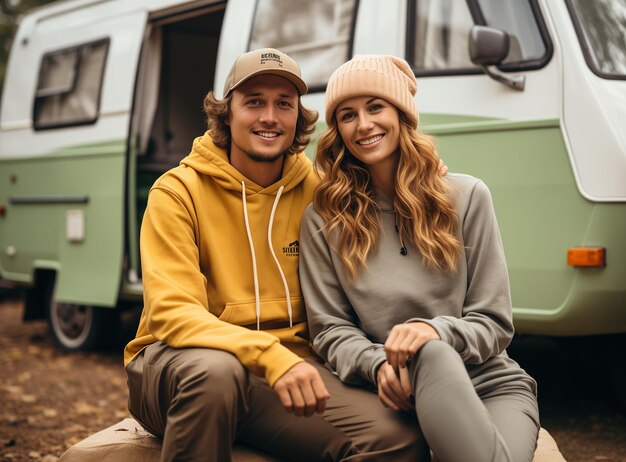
[[272, 310]]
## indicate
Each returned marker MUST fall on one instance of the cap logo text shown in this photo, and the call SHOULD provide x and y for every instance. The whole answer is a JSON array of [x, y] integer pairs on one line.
[[271, 57]]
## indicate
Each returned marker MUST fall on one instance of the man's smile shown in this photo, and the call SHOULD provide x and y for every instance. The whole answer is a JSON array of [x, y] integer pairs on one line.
[[266, 134]]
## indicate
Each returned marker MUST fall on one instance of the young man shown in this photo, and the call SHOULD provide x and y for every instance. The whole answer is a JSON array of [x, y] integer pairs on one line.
[[219, 352]]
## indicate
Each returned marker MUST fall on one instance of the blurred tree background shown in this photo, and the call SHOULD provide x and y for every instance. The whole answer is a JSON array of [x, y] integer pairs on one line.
[[10, 12]]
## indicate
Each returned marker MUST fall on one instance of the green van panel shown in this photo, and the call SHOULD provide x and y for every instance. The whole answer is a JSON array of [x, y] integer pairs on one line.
[[596, 302], [541, 214], [86, 178]]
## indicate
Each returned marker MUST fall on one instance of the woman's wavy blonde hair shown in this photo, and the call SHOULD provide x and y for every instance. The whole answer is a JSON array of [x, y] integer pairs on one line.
[[218, 111], [424, 211]]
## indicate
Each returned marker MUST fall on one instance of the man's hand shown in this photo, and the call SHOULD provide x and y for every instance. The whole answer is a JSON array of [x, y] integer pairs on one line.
[[404, 340], [394, 391], [302, 391]]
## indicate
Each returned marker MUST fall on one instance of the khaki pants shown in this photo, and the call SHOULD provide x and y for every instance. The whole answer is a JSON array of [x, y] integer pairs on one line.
[[201, 400]]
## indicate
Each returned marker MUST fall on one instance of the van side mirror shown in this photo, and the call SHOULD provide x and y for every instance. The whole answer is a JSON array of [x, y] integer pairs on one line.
[[488, 47]]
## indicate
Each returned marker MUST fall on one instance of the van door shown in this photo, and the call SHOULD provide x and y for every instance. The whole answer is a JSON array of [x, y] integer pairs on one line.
[[176, 72], [511, 139]]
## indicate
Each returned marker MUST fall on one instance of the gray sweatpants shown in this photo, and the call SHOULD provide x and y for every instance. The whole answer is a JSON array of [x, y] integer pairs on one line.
[[460, 425], [201, 400]]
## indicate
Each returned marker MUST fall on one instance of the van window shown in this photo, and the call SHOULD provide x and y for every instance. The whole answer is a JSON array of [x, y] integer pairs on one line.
[[68, 89], [317, 34], [518, 20], [601, 30], [438, 33]]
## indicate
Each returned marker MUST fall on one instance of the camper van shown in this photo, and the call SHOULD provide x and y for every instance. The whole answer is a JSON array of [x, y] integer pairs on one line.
[[103, 96]]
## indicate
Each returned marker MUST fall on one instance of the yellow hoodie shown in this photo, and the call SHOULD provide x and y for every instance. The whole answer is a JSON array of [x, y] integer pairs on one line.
[[212, 281]]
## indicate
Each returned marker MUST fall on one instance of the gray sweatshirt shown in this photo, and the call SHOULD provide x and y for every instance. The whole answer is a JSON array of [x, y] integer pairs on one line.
[[470, 309]]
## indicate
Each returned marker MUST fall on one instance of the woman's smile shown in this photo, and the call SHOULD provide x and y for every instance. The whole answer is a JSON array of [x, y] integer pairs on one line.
[[370, 140]]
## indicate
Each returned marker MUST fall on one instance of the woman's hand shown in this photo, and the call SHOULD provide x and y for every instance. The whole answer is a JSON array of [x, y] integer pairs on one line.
[[394, 391], [404, 340], [443, 168]]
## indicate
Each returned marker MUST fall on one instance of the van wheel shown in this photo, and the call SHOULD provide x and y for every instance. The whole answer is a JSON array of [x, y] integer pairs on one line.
[[77, 327]]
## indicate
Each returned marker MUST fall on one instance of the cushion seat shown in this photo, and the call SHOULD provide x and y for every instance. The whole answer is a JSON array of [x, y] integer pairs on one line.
[[128, 441]]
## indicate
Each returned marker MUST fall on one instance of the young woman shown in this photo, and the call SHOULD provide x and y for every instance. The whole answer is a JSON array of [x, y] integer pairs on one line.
[[404, 277]]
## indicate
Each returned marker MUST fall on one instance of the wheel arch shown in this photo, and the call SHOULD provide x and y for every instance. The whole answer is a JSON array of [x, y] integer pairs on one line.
[[41, 292]]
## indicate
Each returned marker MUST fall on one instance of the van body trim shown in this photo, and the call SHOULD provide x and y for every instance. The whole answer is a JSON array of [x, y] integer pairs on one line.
[[57, 199], [28, 123], [489, 125], [178, 13], [15, 125]]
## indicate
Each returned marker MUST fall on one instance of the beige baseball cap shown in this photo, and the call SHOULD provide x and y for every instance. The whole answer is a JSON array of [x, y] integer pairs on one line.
[[263, 61]]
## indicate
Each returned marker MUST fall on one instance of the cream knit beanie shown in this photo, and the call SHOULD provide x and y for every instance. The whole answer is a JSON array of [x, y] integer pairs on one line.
[[385, 76]]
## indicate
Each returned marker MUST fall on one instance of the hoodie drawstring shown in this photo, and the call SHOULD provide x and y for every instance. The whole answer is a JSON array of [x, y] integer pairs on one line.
[[254, 270], [403, 249], [254, 266], [269, 241]]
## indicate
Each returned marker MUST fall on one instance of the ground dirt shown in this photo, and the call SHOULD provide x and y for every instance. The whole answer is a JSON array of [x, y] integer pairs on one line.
[[50, 400]]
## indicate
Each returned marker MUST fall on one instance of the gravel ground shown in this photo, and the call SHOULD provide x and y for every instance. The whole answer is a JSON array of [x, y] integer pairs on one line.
[[51, 400]]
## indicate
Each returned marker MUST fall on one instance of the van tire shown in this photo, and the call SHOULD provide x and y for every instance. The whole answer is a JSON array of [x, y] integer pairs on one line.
[[76, 327]]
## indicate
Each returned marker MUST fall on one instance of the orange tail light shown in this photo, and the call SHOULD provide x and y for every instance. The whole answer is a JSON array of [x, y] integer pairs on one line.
[[586, 256]]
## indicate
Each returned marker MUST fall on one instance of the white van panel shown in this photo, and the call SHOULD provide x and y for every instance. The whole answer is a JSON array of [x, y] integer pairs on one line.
[[125, 33], [79, 16], [479, 95], [594, 119], [24, 143], [238, 17], [122, 61], [20, 78]]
